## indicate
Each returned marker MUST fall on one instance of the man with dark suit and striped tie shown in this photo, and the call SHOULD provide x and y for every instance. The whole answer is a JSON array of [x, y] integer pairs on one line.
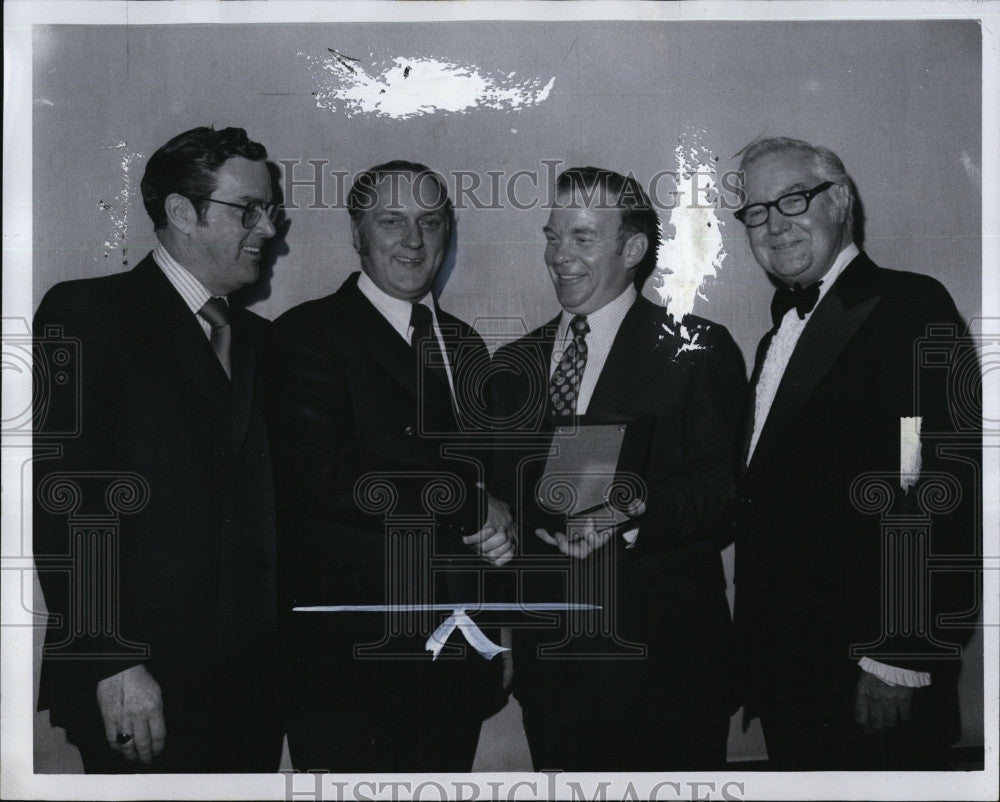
[[153, 478], [371, 401]]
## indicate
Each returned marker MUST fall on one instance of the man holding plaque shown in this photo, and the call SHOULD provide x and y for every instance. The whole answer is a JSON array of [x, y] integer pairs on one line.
[[371, 424], [644, 683], [851, 424]]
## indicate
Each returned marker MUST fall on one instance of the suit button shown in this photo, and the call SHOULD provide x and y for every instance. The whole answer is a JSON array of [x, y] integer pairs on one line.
[[409, 431]]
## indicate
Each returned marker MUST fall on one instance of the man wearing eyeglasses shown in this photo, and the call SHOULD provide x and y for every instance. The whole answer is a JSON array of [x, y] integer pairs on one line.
[[174, 672], [840, 678]]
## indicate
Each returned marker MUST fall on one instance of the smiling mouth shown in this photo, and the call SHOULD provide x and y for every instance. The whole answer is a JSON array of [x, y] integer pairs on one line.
[[786, 245], [414, 261], [568, 278], [252, 249]]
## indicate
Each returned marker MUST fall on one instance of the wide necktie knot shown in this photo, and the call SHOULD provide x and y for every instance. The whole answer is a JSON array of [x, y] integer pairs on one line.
[[801, 299], [216, 313], [564, 386]]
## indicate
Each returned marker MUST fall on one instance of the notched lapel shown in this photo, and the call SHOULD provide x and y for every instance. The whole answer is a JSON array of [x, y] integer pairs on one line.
[[244, 362], [832, 326], [382, 342], [196, 357], [636, 356]]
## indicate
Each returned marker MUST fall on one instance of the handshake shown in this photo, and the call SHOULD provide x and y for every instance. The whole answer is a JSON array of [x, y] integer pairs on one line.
[[496, 542]]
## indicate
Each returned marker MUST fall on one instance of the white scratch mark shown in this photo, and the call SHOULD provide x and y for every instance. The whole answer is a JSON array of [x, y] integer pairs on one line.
[[971, 168], [410, 87], [119, 210], [43, 101], [695, 252]]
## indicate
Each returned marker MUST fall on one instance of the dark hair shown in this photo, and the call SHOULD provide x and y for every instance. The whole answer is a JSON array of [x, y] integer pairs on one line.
[[187, 165], [362, 197], [614, 190], [824, 162]]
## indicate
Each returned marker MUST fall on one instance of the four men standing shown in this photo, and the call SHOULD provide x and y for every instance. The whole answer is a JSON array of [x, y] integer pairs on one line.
[[373, 397]]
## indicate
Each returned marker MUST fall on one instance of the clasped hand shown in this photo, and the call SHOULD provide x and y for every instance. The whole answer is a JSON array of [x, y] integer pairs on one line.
[[584, 537], [496, 542]]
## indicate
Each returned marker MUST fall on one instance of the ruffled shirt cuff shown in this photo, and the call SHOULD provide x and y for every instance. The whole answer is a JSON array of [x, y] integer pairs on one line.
[[891, 675]]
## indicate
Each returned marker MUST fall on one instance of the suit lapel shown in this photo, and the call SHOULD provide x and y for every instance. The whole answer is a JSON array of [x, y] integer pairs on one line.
[[835, 321], [165, 312], [382, 342], [244, 353], [749, 412], [633, 360]]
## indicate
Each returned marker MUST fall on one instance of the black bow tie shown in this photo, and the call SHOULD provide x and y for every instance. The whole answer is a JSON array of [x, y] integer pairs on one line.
[[785, 298]]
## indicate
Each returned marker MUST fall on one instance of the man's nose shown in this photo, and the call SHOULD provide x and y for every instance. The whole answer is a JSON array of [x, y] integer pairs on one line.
[[413, 237], [561, 253], [776, 221], [266, 226]]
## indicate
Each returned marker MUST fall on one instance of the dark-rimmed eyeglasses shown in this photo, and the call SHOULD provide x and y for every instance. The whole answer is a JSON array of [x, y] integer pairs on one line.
[[253, 211], [790, 205]]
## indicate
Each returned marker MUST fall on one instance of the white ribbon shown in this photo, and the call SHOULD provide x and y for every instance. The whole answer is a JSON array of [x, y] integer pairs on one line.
[[473, 634], [458, 619]]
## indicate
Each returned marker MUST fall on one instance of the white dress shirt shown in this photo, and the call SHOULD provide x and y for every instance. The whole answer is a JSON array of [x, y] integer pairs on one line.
[[604, 325], [779, 353], [188, 287], [398, 313]]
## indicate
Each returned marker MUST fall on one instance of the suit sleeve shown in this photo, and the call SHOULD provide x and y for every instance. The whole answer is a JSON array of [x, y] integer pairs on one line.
[[689, 501], [319, 454], [73, 436]]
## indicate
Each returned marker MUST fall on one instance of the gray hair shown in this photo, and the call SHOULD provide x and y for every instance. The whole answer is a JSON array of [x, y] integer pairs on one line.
[[824, 162]]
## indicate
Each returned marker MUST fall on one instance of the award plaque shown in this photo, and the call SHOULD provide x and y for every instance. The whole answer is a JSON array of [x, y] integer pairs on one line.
[[595, 467]]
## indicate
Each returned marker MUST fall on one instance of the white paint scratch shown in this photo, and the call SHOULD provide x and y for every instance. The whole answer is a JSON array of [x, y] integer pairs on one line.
[[43, 101], [118, 211], [971, 168], [410, 87], [695, 252]]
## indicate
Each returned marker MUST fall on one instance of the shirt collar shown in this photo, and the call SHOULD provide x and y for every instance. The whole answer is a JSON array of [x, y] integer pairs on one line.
[[394, 310], [188, 287], [603, 321], [844, 258]]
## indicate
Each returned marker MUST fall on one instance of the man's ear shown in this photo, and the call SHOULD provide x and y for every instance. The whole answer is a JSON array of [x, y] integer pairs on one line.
[[842, 198], [356, 236], [634, 249], [181, 213]]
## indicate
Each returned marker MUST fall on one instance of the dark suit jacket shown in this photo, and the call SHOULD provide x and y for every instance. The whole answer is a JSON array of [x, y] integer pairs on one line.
[[147, 402], [670, 585], [344, 388], [808, 553]]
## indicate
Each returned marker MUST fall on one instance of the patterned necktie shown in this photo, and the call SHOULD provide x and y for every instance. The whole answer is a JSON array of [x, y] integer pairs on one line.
[[431, 358], [564, 387], [216, 312]]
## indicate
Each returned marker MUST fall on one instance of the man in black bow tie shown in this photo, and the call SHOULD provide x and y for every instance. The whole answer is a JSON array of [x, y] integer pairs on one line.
[[839, 677]]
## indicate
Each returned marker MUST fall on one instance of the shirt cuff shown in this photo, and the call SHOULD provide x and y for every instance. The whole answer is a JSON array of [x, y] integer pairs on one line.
[[630, 537], [891, 675]]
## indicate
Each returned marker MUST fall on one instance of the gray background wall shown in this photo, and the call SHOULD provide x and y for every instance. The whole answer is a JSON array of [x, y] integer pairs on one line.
[[898, 100]]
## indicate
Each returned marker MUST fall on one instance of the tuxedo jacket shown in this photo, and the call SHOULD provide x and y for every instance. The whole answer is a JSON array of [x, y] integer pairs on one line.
[[810, 550], [670, 590], [365, 447], [142, 443]]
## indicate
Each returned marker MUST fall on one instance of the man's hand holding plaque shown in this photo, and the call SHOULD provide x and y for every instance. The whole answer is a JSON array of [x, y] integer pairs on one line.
[[583, 536]]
